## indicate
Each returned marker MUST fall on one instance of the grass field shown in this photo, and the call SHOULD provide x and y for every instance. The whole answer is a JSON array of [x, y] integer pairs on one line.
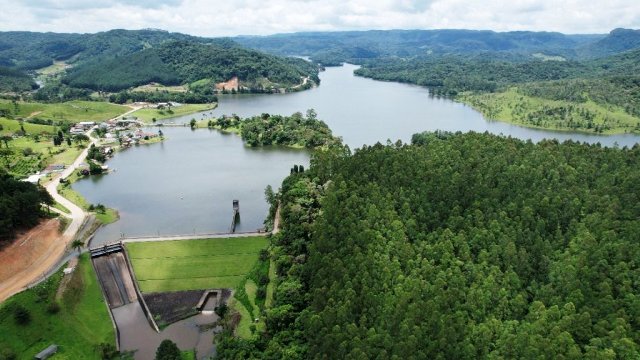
[[147, 114], [81, 324], [74, 111], [194, 264], [10, 126], [55, 68], [513, 107]]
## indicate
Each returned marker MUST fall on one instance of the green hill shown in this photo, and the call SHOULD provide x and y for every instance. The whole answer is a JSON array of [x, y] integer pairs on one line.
[[31, 50], [182, 62], [617, 41]]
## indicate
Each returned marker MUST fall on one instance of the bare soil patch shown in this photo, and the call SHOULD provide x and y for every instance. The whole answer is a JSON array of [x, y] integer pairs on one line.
[[232, 84], [29, 250]]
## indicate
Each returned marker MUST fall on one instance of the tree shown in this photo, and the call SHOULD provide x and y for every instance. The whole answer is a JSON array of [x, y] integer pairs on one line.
[[168, 350], [269, 195], [77, 245], [95, 169], [68, 141], [5, 139], [193, 123], [21, 315], [108, 351]]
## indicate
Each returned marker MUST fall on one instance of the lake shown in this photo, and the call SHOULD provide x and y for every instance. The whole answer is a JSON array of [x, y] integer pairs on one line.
[[187, 184]]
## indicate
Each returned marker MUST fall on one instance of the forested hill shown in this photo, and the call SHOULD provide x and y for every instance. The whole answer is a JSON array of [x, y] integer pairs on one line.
[[596, 95], [12, 80], [183, 62], [333, 48], [32, 50], [618, 40], [462, 246]]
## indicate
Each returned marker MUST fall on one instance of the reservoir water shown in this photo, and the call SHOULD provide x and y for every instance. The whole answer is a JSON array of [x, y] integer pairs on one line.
[[187, 183]]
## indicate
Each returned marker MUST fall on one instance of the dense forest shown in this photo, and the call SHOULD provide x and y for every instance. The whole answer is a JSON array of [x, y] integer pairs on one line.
[[20, 205], [451, 75], [461, 246], [32, 50], [175, 63], [294, 130], [335, 48], [12, 80]]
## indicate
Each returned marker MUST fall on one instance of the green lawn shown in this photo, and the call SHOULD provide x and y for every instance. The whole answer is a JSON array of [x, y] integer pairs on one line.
[[147, 114], [81, 324], [74, 111], [194, 264], [10, 126], [108, 216]]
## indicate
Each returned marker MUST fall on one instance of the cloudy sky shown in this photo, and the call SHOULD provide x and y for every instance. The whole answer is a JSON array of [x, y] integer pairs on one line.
[[260, 17]]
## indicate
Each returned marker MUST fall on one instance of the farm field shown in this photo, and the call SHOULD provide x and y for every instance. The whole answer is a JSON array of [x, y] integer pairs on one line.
[[28, 154], [81, 323], [194, 264], [74, 111]]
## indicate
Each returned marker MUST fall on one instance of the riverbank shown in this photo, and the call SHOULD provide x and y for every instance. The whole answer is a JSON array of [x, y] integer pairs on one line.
[[515, 108]]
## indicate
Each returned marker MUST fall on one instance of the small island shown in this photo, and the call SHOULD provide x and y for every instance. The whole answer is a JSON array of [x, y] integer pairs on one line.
[[296, 131]]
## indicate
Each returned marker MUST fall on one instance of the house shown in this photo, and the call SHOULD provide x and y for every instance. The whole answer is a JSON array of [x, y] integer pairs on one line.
[[76, 131], [34, 179], [54, 168], [86, 124]]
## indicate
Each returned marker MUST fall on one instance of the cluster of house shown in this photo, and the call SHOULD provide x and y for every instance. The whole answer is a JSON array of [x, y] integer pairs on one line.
[[164, 105], [135, 137], [81, 127]]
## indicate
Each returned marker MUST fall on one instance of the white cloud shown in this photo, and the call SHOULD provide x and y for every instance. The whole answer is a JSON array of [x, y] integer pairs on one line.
[[222, 18]]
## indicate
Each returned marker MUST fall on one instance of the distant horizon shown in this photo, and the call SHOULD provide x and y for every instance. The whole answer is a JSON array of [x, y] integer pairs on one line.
[[260, 18], [323, 31]]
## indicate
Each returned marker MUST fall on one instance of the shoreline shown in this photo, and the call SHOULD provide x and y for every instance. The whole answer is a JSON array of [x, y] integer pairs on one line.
[[486, 114], [463, 99]]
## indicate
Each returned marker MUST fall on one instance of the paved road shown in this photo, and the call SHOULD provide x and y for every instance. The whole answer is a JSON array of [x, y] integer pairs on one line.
[[187, 237]]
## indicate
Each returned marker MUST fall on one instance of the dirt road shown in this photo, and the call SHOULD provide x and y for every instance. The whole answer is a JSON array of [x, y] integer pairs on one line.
[[30, 268]]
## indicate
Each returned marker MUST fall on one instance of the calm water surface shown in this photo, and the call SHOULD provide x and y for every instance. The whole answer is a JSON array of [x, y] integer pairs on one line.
[[187, 183]]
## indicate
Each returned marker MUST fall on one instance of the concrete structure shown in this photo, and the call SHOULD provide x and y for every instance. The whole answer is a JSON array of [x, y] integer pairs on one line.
[[48, 352]]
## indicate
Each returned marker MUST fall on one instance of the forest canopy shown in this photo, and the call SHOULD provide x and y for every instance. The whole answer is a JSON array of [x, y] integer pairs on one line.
[[461, 246]]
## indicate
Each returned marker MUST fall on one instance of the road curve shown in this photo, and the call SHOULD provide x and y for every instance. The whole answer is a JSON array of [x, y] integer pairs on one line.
[[38, 271]]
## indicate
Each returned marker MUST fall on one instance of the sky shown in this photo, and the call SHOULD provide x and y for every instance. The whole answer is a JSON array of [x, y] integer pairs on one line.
[[214, 18]]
